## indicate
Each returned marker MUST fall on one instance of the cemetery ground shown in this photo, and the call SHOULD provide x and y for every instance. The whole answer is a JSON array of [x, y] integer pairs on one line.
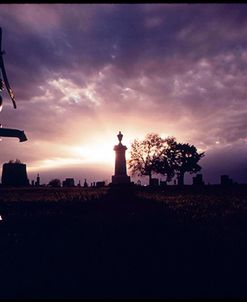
[[123, 242]]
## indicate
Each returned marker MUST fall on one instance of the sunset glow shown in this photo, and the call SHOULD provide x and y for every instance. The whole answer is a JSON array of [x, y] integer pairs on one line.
[[90, 71], [94, 153]]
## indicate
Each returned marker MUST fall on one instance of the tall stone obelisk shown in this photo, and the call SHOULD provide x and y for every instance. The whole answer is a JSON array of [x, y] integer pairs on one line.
[[120, 176]]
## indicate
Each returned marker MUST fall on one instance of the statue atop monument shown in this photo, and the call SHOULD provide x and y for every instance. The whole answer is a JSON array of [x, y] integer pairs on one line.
[[120, 137], [120, 176]]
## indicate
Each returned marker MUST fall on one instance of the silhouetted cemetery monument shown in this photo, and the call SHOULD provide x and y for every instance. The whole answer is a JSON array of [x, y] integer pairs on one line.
[[120, 176]]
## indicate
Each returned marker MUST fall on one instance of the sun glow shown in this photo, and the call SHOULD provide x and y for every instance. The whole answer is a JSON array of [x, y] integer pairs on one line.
[[95, 153], [47, 164]]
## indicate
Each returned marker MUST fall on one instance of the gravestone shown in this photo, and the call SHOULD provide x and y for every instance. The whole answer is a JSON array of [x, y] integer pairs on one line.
[[198, 180], [154, 182]]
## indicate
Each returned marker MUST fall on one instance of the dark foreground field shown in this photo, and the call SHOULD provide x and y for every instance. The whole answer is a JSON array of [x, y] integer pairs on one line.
[[118, 242]]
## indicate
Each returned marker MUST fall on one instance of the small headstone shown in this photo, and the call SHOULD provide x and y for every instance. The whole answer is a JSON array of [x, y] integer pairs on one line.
[[154, 182], [197, 180]]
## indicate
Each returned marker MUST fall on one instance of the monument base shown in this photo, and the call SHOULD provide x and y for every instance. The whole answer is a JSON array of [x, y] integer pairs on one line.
[[120, 179]]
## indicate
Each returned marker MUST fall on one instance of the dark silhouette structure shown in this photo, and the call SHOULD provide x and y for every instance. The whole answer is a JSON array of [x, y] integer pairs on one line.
[[69, 182], [197, 180], [14, 174], [154, 182], [225, 180], [163, 183], [55, 183], [120, 176], [85, 185], [100, 184], [37, 183], [6, 132]]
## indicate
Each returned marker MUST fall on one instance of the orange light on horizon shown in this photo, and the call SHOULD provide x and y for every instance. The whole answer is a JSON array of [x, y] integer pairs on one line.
[[97, 151]]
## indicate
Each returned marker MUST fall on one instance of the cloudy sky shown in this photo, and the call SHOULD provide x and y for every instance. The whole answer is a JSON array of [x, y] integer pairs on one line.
[[81, 73]]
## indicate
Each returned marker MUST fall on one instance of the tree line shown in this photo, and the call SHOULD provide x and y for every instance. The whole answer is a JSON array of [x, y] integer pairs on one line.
[[167, 157]]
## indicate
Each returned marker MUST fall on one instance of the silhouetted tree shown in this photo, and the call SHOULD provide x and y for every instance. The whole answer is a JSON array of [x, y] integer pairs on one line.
[[144, 155], [165, 163], [55, 183], [185, 159], [163, 156]]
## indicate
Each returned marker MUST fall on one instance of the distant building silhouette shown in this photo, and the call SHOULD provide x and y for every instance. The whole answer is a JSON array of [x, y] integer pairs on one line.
[[225, 180], [14, 174], [197, 180], [69, 182], [100, 184], [37, 183], [85, 185]]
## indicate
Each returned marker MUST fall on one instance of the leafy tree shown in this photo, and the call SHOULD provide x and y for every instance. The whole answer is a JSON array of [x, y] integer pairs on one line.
[[185, 159], [55, 183], [144, 155], [165, 163], [163, 156]]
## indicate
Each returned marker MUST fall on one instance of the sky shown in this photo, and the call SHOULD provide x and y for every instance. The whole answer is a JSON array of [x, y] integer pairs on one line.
[[83, 72]]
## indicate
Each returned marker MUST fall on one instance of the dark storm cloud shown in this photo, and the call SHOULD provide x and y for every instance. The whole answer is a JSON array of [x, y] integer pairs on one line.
[[89, 35], [128, 36], [181, 67]]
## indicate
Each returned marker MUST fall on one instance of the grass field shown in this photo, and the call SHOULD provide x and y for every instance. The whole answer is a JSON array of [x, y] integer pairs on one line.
[[119, 242]]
